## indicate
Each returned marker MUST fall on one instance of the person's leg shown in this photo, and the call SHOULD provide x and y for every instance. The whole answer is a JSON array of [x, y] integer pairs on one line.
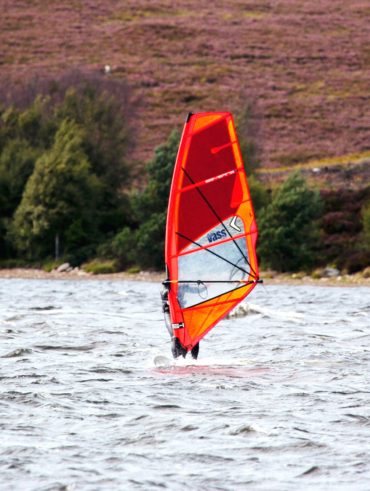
[[195, 351], [177, 349]]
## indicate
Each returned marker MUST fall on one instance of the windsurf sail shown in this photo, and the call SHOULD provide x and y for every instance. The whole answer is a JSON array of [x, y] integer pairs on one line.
[[211, 229]]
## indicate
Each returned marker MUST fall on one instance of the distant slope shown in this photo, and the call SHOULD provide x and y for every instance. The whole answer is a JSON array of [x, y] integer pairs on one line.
[[350, 172], [306, 63]]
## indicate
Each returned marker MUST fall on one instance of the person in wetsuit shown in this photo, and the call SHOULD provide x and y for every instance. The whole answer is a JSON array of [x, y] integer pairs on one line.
[[176, 347]]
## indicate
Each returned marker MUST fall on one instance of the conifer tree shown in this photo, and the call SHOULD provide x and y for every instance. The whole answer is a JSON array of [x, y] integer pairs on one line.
[[59, 198], [288, 228], [145, 245]]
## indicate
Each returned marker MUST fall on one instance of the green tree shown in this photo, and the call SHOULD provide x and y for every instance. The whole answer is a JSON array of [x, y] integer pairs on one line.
[[144, 246], [32, 124], [22, 141], [247, 125], [289, 233], [29, 121], [24, 136], [154, 199], [107, 137], [366, 225], [150, 242], [106, 141], [260, 195], [17, 161], [151, 205], [123, 248], [59, 198]]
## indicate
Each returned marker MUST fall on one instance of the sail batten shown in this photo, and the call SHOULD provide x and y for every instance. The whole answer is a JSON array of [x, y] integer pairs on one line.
[[209, 246], [208, 181]]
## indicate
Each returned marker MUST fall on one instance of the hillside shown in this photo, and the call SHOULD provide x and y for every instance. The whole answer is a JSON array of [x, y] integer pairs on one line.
[[350, 172], [304, 64]]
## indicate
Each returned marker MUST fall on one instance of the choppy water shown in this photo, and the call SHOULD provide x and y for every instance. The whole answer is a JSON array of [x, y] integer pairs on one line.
[[279, 399]]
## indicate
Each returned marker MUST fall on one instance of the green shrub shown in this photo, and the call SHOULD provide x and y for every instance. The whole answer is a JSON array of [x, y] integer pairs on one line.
[[145, 247], [289, 232], [154, 198], [100, 267], [260, 196], [51, 264], [133, 270], [13, 263], [365, 212], [123, 248], [150, 242]]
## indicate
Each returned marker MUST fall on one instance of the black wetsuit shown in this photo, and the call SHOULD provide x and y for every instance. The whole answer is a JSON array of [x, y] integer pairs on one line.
[[176, 347]]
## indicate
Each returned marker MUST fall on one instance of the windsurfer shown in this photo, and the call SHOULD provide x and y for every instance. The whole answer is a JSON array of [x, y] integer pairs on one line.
[[211, 231], [177, 348], [166, 310]]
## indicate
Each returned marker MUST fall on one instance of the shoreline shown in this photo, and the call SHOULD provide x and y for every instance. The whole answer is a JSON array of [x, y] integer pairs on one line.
[[157, 277], [40, 274]]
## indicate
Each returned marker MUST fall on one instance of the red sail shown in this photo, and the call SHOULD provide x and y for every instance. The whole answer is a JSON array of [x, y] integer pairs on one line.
[[211, 229]]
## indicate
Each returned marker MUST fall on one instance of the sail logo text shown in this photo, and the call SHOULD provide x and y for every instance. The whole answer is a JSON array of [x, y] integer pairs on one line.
[[217, 235]]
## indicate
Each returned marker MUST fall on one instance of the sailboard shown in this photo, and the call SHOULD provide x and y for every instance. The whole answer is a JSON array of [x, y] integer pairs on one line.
[[211, 230]]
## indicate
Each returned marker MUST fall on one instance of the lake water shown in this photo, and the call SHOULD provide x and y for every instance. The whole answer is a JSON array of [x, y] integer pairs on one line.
[[279, 399]]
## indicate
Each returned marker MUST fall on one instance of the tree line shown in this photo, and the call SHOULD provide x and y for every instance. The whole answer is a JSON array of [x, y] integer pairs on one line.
[[64, 162], [66, 187]]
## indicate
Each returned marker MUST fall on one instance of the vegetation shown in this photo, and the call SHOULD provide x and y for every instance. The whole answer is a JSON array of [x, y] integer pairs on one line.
[[65, 189], [289, 232], [182, 56], [100, 267], [59, 198], [247, 124], [260, 195], [343, 223], [366, 225], [144, 246], [63, 168]]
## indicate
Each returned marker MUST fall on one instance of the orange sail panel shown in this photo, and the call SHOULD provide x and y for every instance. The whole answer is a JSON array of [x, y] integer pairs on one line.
[[211, 230]]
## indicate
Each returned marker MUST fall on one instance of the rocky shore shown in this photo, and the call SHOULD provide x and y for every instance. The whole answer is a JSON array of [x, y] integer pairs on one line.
[[325, 277], [77, 274]]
